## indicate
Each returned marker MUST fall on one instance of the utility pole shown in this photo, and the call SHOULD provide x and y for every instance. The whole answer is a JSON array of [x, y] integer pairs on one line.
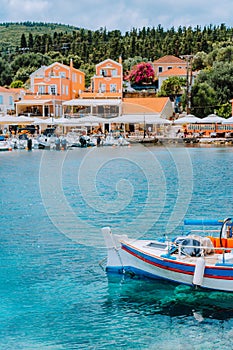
[[189, 77]]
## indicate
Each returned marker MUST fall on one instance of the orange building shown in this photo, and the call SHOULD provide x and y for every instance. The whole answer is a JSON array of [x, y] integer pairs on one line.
[[49, 87], [107, 81], [173, 72], [168, 62]]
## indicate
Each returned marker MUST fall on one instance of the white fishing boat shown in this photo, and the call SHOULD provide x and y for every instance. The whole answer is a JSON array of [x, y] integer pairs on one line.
[[46, 142], [5, 144], [114, 141], [199, 260]]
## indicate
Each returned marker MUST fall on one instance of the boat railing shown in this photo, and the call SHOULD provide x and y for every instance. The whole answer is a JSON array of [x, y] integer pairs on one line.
[[203, 249], [204, 231]]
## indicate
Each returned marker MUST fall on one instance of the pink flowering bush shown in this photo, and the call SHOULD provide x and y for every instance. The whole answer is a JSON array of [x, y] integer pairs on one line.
[[141, 73]]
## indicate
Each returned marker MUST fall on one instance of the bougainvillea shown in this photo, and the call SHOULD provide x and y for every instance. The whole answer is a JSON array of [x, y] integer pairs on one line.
[[141, 73]]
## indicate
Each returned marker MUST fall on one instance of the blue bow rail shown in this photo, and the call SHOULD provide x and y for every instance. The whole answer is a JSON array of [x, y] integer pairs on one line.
[[207, 222]]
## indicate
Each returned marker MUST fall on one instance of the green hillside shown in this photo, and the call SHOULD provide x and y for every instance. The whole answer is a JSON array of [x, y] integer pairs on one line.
[[10, 33]]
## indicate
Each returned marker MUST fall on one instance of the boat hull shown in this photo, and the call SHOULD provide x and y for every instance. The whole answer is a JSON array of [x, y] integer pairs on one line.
[[215, 277], [126, 257], [5, 146]]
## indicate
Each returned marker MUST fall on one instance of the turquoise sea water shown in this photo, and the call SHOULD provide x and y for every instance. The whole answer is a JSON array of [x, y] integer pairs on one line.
[[53, 293]]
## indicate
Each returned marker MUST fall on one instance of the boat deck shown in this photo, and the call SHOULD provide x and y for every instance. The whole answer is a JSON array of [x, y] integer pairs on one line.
[[160, 250]]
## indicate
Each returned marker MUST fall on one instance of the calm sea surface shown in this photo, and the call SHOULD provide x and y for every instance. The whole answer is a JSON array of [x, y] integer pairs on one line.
[[54, 294]]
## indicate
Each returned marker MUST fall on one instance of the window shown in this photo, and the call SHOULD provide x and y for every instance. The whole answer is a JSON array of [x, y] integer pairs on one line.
[[74, 77], [169, 67], [160, 69], [62, 74], [103, 72], [113, 87], [53, 89], [102, 87], [52, 74], [41, 90], [1, 100], [114, 72], [11, 102]]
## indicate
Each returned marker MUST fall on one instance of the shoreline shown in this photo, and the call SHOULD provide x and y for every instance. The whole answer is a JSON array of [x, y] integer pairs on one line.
[[183, 141]]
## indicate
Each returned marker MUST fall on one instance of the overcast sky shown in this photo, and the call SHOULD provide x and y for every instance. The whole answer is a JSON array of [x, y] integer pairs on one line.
[[120, 14]]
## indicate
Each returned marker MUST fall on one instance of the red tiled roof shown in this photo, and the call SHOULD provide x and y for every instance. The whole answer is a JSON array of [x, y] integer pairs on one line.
[[173, 72], [169, 59], [18, 90], [3, 89], [144, 105]]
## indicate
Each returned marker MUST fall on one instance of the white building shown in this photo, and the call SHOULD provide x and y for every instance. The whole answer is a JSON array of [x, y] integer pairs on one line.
[[7, 98]]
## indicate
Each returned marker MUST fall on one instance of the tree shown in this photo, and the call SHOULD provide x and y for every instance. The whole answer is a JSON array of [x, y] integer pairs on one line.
[[225, 110], [142, 73], [89, 71], [225, 54], [203, 99], [76, 60], [30, 41], [17, 84], [28, 60], [172, 86], [23, 41], [37, 44], [55, 56], [23, 73], [199, 61], [5, 73], [130, 62], [220, 78]]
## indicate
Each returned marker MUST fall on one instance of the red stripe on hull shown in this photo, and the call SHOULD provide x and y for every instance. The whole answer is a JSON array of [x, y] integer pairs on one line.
[[174, 269]]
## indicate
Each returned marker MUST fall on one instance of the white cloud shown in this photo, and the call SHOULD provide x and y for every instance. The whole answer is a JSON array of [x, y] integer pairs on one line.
[[122, 14], [28, 6], [18, 10]]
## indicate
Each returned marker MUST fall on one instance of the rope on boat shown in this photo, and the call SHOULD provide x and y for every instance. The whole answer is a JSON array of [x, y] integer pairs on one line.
[[102, 263], [119, 256]]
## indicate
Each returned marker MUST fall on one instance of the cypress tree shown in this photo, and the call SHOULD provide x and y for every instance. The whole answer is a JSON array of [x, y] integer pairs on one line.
[[23, 41]]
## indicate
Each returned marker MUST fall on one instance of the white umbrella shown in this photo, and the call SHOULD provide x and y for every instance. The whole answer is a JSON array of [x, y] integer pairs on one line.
[[62, 121], [92, 119], [212, 118], [13, 120], [228, 121], [188, 119], [40, 121], [87, 120], [139, 119], [48, 121], [24, 119]]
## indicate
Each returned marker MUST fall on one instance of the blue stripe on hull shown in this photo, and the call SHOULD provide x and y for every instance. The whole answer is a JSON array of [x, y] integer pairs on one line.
[[133, 271]]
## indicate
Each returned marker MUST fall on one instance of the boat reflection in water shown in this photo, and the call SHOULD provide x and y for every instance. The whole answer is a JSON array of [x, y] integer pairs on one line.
[[147, 297]]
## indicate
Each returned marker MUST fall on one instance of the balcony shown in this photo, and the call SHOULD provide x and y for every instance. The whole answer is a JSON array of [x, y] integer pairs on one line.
[[40, 94], [97, 94], [45, 96]]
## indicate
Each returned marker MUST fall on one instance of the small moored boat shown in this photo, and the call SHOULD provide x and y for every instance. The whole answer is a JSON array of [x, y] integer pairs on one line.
[[200, 260], [4, 144]]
